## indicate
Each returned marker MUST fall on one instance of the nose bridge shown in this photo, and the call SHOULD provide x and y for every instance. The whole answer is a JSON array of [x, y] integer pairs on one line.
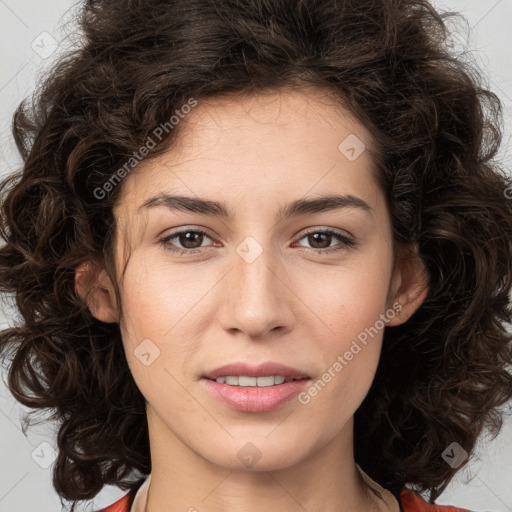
[[256, 297]]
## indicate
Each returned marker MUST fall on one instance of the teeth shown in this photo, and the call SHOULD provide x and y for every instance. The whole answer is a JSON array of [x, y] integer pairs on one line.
[[242, 380]]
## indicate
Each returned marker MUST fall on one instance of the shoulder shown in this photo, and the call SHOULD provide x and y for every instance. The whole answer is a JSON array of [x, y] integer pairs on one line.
[[411, 502], [125, 503], [122, 505]]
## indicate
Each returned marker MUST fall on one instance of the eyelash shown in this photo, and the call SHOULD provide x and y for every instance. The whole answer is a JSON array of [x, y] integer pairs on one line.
[[346, 242]]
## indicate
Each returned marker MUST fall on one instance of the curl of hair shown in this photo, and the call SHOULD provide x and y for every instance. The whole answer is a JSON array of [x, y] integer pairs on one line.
[[443, 375]]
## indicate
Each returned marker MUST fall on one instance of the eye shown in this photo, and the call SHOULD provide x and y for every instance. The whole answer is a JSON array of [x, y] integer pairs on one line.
[[191, 241], [321, 240]]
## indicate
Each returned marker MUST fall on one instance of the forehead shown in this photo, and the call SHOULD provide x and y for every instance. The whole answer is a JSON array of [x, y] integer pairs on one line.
[[302, 118], [259, 147]]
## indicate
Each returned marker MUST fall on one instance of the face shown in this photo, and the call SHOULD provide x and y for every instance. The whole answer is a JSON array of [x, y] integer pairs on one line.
[[309, 288]]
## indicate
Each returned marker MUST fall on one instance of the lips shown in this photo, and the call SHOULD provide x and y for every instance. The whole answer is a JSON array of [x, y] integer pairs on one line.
[[263, 370], [254, 399]]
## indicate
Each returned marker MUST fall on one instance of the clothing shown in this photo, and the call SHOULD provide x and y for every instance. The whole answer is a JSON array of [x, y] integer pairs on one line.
[[135, 500]]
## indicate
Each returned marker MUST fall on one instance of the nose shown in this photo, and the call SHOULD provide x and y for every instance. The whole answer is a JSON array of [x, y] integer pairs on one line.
[[258, 295]]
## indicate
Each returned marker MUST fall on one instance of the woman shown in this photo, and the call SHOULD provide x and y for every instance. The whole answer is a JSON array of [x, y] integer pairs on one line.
[[262, 254]]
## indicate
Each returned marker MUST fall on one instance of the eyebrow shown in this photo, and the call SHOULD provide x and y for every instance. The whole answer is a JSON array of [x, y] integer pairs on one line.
[[220, 209]]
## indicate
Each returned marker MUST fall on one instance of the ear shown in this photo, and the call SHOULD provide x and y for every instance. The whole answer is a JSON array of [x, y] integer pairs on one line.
[[409, 284], [94, 285]]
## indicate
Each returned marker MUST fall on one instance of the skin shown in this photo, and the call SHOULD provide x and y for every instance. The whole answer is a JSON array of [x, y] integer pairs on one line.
[[292, 304]]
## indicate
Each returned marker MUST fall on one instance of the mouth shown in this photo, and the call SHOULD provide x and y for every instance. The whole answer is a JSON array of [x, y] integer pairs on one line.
[[260, 381], [255, 389], [263, 375], [250, 394]]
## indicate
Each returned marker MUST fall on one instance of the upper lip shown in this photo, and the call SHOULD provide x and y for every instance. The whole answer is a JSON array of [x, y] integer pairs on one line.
[[262, 370]]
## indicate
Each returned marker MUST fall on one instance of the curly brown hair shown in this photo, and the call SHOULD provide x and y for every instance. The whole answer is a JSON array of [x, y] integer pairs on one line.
[[443, 374]]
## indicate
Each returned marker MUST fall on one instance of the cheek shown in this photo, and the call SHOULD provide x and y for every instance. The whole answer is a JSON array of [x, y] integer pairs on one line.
[[346, 299], [350, 305], [152, 305], [156, 297], [350, 356]]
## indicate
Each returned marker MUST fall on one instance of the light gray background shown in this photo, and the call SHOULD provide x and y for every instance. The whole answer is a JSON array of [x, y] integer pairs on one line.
[[29, 32]]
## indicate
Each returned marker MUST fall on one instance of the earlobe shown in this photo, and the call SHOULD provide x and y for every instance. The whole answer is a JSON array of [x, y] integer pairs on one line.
[[95, 287], [411, 285]]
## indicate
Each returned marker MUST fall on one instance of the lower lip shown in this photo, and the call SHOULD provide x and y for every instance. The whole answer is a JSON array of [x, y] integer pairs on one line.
[[252, 398]]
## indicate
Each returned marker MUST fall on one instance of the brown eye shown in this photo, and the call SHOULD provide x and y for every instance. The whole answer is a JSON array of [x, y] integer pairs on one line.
[[185, 241], [320, 240]]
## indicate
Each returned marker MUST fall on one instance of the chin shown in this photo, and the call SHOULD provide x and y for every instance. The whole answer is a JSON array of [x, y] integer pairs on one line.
[[258, 453]]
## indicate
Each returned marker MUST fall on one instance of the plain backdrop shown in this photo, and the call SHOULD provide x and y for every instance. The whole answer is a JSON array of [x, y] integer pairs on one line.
[[32, 35]]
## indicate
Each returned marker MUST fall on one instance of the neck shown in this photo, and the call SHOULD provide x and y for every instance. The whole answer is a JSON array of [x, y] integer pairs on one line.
[[181, 479]]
